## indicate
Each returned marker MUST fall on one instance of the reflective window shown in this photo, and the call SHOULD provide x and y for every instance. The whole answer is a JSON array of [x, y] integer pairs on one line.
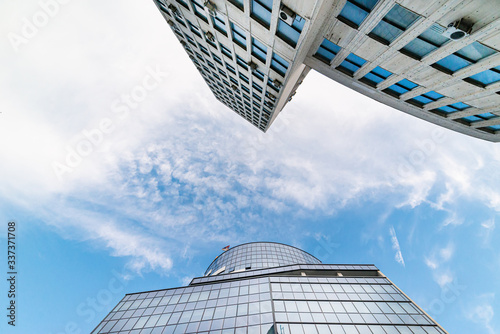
[[199, 10], [400, 87], [241, 62], [485, 78], [237, 3], [355, 11], [225, 51], [230, 68], [376, 76], [351, 64], [426, 98], [183, 3], [478, 118], [397, 20], [219, 23], [194, 29], [279, 64], [261, 11], [259, 50], [327, 51], [428, 41], [239, 36], [290, 34], [451, 108], [464, 57], [258, 74], [244, 78]]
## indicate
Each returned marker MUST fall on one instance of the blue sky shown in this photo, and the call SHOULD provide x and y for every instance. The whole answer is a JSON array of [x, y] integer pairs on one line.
[[177, 176]]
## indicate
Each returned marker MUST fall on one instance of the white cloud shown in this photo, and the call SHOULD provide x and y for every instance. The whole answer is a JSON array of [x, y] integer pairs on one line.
[[443, 278], [395, 245], [182, 166], [481, 311]]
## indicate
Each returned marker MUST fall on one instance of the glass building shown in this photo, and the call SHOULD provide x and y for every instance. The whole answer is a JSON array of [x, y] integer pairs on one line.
[[271, 288], [438, 61]]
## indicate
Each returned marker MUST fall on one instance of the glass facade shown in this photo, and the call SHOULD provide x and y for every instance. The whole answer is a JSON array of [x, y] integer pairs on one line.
[[258, 255], [291, 293]]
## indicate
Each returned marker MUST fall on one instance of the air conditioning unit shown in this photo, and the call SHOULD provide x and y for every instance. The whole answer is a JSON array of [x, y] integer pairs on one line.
[[287, 15], [253, 66], [171, 23], [457, 30], [210, 36], [234, 87], [277, 83], [173, 9], [212, 8]]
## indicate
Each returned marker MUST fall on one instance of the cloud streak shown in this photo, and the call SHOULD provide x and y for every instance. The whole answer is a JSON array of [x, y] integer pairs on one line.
[[395, 246]]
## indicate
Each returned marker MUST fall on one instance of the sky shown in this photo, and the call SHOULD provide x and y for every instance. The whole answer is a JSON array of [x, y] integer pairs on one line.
[[112, 195]]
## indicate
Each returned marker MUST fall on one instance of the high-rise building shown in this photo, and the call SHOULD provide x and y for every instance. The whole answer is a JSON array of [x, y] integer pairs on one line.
[[271, 288], [436, 60]]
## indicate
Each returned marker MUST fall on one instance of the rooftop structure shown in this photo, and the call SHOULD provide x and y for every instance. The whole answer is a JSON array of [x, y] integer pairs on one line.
[[271, 288], [436, 60]]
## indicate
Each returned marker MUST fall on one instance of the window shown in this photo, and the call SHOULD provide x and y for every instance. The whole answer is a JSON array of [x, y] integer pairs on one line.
[[464, 57], [237, 3], [217, 59], [204, 50], [222, 72], [291, 34], [451, 108], [241, 62], [230, 68], [355, 12], [239, 36], [244, 78], [194, 29], [351, 64], [261, 11], [376, 76], [478, 118], [183, 3], [327, 51], [190, 40], [257, 87], [393, 24], [485, 78], [233, 80], [226, 51], [279, 64], [400, 88], [219, 23], [426, 98], [259, 50], [258, 74], [199, 10], [428, 41]]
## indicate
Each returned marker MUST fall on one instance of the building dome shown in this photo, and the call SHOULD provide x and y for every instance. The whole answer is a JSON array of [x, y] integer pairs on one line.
[[258, 255]]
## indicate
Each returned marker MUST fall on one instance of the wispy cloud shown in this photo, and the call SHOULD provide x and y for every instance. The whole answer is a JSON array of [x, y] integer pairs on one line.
[[396, 247], [437, 261], [481, 311], [182, 166]]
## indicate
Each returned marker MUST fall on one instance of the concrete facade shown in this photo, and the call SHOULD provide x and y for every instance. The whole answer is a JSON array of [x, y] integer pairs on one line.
[[395, 52]]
